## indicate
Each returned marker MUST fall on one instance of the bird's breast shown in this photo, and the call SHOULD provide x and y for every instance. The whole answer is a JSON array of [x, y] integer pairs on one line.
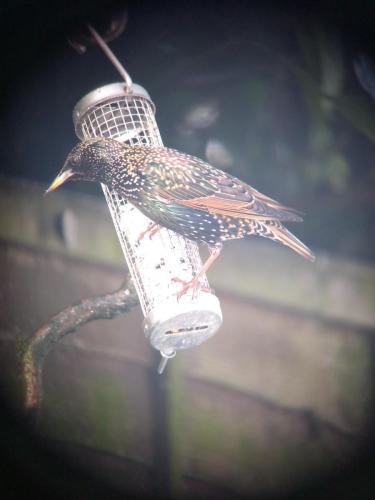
[[129, 183], [190, 223]]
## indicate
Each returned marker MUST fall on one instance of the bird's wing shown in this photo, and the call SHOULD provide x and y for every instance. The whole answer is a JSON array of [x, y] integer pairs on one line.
[[174, 177]]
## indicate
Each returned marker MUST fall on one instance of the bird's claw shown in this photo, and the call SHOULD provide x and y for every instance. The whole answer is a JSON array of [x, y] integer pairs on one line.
[[195, 285], [151, 230]]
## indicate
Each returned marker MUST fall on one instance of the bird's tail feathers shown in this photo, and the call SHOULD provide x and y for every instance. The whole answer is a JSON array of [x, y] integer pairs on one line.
[[280, 234]]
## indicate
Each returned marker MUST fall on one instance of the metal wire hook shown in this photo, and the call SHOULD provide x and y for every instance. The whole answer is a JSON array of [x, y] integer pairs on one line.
[[111, 56]]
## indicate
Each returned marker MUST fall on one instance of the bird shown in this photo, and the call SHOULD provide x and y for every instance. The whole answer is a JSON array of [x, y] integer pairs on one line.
[[184, 194]]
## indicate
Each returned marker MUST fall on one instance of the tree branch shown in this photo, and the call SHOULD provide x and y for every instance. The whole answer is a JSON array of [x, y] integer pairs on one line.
[[68, 320]]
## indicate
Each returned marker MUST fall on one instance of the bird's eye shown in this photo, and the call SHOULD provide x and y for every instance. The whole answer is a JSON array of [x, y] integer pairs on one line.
[[73, 162]]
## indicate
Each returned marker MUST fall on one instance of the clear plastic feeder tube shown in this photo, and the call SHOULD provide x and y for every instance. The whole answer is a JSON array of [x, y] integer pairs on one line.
[[170, 324]]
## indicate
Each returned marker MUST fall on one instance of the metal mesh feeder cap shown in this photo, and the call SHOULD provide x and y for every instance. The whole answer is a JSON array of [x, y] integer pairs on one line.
[[170, 324], [101, 95]]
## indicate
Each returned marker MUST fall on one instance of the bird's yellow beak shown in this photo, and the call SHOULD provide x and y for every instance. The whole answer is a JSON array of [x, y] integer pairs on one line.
[[60, 179]]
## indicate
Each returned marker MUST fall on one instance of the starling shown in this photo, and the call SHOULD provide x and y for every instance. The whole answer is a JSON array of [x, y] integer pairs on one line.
[[182, 193]]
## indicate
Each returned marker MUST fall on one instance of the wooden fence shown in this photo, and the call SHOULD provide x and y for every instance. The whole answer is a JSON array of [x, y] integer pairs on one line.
[[279, 397]]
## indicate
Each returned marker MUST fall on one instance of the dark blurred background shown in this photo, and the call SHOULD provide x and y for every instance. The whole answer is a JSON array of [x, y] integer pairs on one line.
[[278, 94], [268, 93]]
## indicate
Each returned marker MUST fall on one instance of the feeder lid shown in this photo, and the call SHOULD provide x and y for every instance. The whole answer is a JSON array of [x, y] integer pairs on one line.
[[106, 93]]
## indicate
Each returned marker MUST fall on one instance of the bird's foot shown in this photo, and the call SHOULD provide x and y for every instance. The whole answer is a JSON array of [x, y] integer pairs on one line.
[[151, 230], [195, 285]]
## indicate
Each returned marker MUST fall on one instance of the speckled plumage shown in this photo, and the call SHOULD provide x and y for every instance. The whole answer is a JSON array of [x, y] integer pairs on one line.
[[182, 193]]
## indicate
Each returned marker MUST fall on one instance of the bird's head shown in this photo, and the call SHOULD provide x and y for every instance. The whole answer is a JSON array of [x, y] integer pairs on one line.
[[88, 161]]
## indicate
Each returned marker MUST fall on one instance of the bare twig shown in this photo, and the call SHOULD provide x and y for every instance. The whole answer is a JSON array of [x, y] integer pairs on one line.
[[67, 321]]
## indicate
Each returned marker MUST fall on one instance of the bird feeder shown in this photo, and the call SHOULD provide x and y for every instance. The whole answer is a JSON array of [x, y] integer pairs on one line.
[[126, 113]]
